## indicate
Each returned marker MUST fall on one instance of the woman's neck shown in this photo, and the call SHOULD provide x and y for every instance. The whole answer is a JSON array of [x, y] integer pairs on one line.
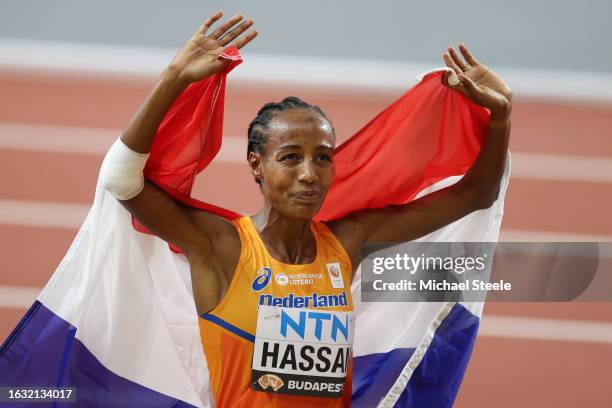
[[289, 240]]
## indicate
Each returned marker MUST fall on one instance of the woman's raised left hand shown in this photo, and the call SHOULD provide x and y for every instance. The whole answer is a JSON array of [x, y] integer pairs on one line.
[[477, 82]]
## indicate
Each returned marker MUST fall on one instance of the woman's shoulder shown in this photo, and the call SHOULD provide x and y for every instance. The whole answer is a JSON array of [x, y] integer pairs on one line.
[[344, 228], [222, 233], [213, 267], [213, 225], [349, 235]]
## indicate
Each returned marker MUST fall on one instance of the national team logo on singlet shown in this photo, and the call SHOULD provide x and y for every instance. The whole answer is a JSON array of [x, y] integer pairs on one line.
[[335, 274], [302, 351]]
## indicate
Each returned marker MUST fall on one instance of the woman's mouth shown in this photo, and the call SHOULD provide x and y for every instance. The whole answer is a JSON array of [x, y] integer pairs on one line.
[[307, 197]]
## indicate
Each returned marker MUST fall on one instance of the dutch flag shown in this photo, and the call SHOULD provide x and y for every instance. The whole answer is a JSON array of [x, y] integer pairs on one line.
[[117, 319]]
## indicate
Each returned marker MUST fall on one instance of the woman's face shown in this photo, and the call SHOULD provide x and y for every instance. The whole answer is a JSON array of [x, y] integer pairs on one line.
[[296, 167]]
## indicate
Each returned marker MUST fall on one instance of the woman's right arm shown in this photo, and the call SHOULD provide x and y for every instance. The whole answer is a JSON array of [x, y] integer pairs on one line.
[[151, 206]]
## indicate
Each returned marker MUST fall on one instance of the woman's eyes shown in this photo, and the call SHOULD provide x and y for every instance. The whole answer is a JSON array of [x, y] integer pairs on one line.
[[294, 156], [291, 156]]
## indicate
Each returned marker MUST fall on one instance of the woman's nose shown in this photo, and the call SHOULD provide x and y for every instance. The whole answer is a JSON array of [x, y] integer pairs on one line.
[[308, 172]]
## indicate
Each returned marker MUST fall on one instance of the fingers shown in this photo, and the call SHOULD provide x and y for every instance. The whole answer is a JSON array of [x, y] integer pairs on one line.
[[226, 26], [245, 39], [446, 79], [467, 55], [454, 61], [224, 34], [457, 59], [468, 84], [448, 60], [461, 83], [210, 21], [230, 36]]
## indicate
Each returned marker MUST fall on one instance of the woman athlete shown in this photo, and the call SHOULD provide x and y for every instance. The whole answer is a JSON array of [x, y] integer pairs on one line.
[[273, 289]]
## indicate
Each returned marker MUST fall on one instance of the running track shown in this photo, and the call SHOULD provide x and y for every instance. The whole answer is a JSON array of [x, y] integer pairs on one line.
[[54, 130]]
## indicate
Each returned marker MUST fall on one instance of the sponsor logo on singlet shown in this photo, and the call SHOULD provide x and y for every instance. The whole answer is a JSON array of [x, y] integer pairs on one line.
[[262, 279], [303, 278], [264, 275], [281, 278], [302, 351]]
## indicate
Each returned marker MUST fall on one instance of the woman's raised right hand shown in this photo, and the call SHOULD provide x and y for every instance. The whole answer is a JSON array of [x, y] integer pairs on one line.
[[198, 57]]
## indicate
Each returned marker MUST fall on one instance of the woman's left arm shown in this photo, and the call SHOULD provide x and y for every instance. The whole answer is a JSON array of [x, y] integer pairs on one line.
[[478, 188]]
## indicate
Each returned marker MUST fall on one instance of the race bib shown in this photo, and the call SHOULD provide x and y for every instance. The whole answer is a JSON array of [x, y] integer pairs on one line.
[[302, 351]]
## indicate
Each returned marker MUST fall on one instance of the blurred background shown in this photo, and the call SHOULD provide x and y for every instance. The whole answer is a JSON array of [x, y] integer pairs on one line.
[[72, 73]]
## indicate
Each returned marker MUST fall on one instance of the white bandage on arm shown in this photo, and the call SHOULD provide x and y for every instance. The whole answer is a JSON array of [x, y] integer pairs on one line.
[[122, 171]]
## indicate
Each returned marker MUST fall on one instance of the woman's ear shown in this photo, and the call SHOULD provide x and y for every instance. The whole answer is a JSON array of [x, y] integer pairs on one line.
[[255, 164]]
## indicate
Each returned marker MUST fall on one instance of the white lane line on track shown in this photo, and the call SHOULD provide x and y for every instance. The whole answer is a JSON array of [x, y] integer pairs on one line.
[[514, 235], [533, 328], [68, 215], [83, 140], [18, 297], [42, 214], [530, 328], [536, 166], [56, 139], [87, 140], [135, 64]]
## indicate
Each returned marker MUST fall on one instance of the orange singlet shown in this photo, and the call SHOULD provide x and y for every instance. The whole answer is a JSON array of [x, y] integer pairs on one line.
[[282, 335]]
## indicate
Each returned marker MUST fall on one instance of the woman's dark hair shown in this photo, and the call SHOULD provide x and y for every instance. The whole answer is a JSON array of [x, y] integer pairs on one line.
[[258, 128]]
